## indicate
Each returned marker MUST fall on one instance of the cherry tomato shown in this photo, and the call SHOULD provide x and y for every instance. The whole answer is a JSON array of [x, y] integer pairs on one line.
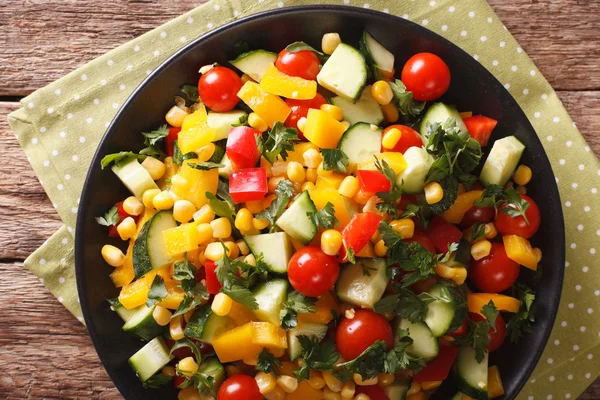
[[410, 138], [494, 273], [427, 76], [477, 214], [312, 272], [300, 109], [518, 226], [239, 386], [423, 240], [353, 336], [303, 64], [496, 336], [218, 89], [178, 380], [375, 392]]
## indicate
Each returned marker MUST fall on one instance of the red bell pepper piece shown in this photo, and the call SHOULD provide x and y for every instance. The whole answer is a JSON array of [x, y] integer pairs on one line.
[[170, 140], [423, 240], [112, 230], [248, 184], [375, 392], [373, 181], [442, 233], [439, 367], [480, 128], [359, 231], [213, 286], [241, 148]]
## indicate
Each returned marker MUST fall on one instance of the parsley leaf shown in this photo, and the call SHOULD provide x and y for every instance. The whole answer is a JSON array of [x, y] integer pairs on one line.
[[397, 248], [284, 192], [490, 196], [157, 380], [404, 100], [404, 304], [300, 46], [279, 140], [325, 217], [191, 92], [519, 324], [268, 363], [120, 159], [114, 303], [514, 205], [390, 198], [334, 160], [477, 231], [189, 303], [490, 312], [368, 364], [185, 342], [153, 137], [220, 207], [205, 165], [417, 210], [203, 382], [320, 357], [398, 359], [235, 285], [110, 218], [296, 303], [350, 254], [178, 157], [450, 186], [366, 270], [158, 291], [184, 270], [477, 334], [420, 264]]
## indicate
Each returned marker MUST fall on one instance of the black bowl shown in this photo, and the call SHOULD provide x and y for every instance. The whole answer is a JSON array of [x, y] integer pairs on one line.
[[472, 88]]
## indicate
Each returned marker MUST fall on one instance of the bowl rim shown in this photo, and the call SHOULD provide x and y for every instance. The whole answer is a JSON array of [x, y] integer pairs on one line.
[[138, 91]]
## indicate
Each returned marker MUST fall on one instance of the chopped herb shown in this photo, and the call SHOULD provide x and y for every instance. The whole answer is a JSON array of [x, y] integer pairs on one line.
[[490, 196], [366, 270], [325, 217], [184, 270], [450, 186], [268, 363], [320, 357], [405, 304], [191, 92], [203, 382], [520, 324], [490, 312], [514, 205], [205, 165], [185, 342], [153, 151], [153, 137], [397, 248], [120, 159], [110, 218], [334, 160], [417, 210], [157, 380], [477, 231], [235, 284], [284, 191], [278, 142], [178, 157], [398, 359], [477, 333], [296, 303], [220, 207], [300, 46], [350, 254], [158, 291], [188, 304], [391, 197], [404, 100], [114, 303]]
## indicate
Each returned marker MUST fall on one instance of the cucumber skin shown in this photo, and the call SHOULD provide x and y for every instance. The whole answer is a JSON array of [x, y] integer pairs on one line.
[[195, 326], [459, 296], [147, 329], [467, 389], [140, 257]]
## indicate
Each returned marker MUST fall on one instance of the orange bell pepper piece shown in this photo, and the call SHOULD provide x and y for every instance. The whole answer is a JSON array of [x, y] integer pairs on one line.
[[519, 250], [323, 316], [495, 387], [476, 301], [462, 204], [306, 392]]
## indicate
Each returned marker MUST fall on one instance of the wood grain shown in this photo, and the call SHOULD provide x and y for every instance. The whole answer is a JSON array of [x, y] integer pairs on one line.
[[45, 352]]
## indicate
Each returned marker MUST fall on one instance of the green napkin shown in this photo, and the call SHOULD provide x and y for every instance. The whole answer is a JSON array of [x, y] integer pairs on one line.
[[60, 126]]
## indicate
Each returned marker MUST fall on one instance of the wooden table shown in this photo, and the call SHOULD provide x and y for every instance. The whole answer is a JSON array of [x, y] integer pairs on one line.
[[44, 351]]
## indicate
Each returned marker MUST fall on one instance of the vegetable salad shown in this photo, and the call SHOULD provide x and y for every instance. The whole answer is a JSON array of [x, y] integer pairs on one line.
[[308, 225]]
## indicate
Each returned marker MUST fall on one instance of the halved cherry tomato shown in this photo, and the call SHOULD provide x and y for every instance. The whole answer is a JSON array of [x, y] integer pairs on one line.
[[410, 138], [462, 330], [304, 64], [497, 336], [507, 225], [438, 368], [355, 335], [300, 109], [442, 233], [480, 128], [218, 88], [494, 273], [427, 76], [248, 184], [373, 181], [213, 286], [359, 231], [170, 140], [375, 392], [241, 147], [477, 214], [112, 230], [240, 386], [423, 240], [312, 272]]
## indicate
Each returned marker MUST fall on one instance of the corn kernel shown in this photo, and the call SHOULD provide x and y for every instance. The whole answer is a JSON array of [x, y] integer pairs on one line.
[[266, 382], [523, 175], [386, 379], [332, 382], [362, 197], [244, 250], [163, 201], [250, 361], [243, 219], [380, 249], [204, 215], [433, 193], [246, 78], [295, 172], [430, 385], [538, 253], [360, 382], [255, 206], [161, 315], [188, 366], [444, 271], [168, 371], [490, 230], [404, 227], [371, 205], [215, 251], [183, 211], [250, 259], [205, 232], [276, 394], [205, 68], [260, 223], [331, 241], [206, 152], [362, 396], [415, 387], [155, 168], [330, 42], [390, 113], [348, 389], [233, 251], [348, 187], [289, 384], [316, 380], [112, 255], [323, 172], [273, 182], [301, 124], [481, 249], [307, 186], [350, 313], [311, 175], [267, 166], [460, 275], [334, 111], [176, 328], [148, 197], [127, 228], [382, 92], [257, 122], [221, 228], [312, 158], [175, 116], [133, 206], [390, 138], [221, 304], [376, 237], [328, 394]]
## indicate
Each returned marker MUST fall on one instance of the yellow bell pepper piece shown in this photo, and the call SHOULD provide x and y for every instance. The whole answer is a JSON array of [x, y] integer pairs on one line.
[[476, 301], [367, 252], [181, 239], [239, 314], [462, 204], [136, 293], [394, 159], [298, 153], [124, 274], [173, 299], [267, 106], [194, 138], [323, 316], [344, 208], [268, 335], [196, 118], [237, 344], [306, 392], [170, 169], [495, 387], [332, 181], [291, 87], [322, 129], [197, 183], [519, 250]]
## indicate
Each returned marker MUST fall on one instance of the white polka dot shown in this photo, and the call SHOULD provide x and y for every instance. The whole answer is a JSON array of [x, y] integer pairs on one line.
[[525, 91], [182, 39], [62, 134], [507, 86], [568, 143], [102, 82], [110, 63], [585, 268], [115, 106], [567, 395], [513, 68], [65, 241], [43, 261], [489, 20], [129, 67], [544, 96], [532, 73], [592, 251], [385, 10], [578, 287], [483, 38], [30, 105], [557, 342], [563, 324], [590, 310], [549, 138], [89, 120], [574, 185], [60, 299], [590, 356], [236, 13], [594, 190], [588, 375], [570, 377], [502, 44], [60, 186], [530, 398], [46, 163], [567, 203], [463, 33], [69, 228], [156, 53], [122, 86], [405, 16], [537, 114], [549, 397], [163, 34], [444, 28], [75, 158], [580, 228], [81, 139], [76, 97], [43, 129], [61, 280], [50, 110], [451, 9], [83, 77], [471, 14], [432, 3], [586, 208], [582, 328], [74, 210], [551, 378], [69, 115], [495, 63], [581, 167], [54, 153], [571, 305], [555, 119], [562, 161], [96, 101], [550, 361], [217, 7], [586, 148], [476, 57], [148, 71], [598, 232], [425, 22]]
